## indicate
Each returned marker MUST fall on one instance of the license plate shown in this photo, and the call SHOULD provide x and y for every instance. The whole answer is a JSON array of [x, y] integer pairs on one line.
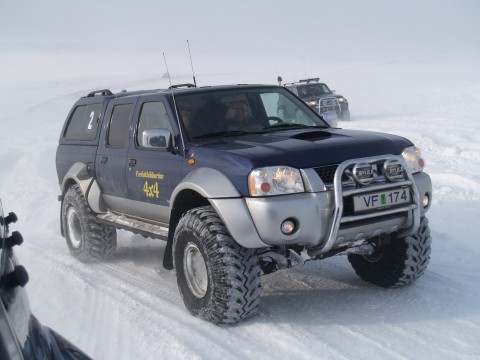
[[381, 199]]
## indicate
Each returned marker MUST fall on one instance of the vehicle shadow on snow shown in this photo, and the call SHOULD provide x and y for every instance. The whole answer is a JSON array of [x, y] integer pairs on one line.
[[328, 291], [331, 293]]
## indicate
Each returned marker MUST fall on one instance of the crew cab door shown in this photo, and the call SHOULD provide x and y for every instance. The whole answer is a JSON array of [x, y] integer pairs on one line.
[[110, 163], [153, 172]]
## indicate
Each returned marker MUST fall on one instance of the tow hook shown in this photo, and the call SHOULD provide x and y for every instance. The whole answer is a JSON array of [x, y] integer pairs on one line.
[[272, 261], [357, 248]]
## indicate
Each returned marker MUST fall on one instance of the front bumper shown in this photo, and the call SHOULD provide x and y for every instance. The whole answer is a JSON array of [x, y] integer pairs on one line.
[[322, 220]]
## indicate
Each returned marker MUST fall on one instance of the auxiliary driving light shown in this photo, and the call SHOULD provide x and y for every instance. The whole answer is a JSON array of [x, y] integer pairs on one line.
[[288, 227], [426, 201]]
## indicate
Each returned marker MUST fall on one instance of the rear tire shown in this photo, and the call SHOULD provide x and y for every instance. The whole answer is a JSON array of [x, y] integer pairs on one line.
[[218, 279], [86, 238], [398, 262]]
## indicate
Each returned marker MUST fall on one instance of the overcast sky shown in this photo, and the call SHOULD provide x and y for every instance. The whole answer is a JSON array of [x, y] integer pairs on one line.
[[247, 33], [272, 26]]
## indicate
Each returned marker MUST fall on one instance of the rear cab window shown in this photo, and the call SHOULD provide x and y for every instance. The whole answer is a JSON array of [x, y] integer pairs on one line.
[[83, 122]]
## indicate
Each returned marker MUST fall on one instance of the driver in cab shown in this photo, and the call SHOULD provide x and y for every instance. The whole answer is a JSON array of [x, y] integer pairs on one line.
[[237, 117]]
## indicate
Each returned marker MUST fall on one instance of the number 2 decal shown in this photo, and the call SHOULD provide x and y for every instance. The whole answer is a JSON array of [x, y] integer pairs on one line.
[[90, 124]]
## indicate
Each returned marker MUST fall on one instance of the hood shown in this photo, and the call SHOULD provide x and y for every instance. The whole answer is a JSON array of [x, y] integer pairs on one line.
[[311, 148], [301, 149]]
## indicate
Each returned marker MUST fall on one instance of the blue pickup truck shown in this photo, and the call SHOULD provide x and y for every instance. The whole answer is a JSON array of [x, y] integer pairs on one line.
[[239, 190]]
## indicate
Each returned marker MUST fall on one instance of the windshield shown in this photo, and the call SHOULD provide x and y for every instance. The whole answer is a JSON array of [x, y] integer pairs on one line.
[[242, 111], [313, 90]]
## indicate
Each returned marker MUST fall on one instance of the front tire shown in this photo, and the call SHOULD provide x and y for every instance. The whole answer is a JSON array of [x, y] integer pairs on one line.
[[397, 261], [345, 115], [86, 238], [218, 279]]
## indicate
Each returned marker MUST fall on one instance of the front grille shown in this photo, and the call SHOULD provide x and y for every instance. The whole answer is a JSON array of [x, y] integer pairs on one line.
[[327, 173], [328, 102]]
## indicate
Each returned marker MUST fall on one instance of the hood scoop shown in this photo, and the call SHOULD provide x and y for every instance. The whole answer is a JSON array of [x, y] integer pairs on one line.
[[312, 135]]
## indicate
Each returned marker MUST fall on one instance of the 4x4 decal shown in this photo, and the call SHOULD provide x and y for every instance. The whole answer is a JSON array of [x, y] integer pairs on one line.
[[151, 190]]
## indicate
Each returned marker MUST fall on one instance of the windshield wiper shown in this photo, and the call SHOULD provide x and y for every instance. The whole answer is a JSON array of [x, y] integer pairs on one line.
[[222, 134], [289, 125]]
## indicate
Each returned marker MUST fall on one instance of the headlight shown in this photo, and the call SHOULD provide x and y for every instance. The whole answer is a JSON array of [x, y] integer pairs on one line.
[[312, 103], [342, 99], [413, 157], [275, 180]]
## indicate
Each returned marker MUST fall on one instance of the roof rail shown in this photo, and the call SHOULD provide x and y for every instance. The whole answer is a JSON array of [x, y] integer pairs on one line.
[[104, 92], [310, 80], [187, 85]]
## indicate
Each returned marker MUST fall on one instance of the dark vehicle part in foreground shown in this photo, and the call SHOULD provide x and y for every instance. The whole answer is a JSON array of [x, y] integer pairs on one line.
[[319, 96], [22, 336], [239, 190]]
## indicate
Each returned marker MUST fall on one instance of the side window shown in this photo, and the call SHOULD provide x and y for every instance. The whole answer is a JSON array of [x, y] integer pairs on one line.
[[270, 102], [83, 123], [118, 127], [153, 115]]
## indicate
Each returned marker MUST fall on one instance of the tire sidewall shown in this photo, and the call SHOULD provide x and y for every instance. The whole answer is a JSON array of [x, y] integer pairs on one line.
[[72, 200], [96, 241], [196, 305]]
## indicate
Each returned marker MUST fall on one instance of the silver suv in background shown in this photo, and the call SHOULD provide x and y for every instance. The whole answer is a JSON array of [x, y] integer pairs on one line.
[[319, 97]]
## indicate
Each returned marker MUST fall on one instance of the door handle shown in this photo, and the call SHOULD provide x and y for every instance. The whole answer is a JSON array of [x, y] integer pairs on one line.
[[103, 160], [132, 162]]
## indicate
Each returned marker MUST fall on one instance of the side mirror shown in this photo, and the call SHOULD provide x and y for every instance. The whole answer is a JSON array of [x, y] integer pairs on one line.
[[157, 139]]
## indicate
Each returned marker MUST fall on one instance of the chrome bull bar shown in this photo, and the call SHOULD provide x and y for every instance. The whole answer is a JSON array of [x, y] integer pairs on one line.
[[412, 209]]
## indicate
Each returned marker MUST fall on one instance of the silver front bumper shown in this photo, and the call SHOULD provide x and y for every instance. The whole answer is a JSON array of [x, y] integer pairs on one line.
[[320, 215]]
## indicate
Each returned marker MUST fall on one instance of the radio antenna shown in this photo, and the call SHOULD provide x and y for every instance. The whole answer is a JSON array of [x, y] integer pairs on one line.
[[191, 63], [175, 106]]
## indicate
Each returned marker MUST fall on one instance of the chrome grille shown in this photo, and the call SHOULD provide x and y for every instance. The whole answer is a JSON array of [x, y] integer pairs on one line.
[[327, 173]]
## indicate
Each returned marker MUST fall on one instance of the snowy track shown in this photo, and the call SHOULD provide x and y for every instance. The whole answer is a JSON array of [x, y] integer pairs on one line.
[[130, 307]]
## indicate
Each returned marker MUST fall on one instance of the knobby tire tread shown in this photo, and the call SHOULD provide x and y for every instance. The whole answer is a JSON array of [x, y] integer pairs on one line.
[[403, 260], [235, 270], [99, 241]]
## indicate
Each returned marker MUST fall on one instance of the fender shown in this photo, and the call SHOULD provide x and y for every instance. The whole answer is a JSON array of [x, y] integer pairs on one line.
[[222, 194], [79, 174], [210, 183]]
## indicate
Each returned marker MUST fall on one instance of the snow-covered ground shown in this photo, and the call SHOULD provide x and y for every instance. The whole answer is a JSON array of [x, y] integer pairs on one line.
[[130, 308], [406, 67]]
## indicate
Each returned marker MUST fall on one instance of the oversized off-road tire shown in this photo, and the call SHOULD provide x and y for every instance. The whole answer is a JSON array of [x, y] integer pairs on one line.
[[398, 261], [346, 115], [86, 238], [218, 279]]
